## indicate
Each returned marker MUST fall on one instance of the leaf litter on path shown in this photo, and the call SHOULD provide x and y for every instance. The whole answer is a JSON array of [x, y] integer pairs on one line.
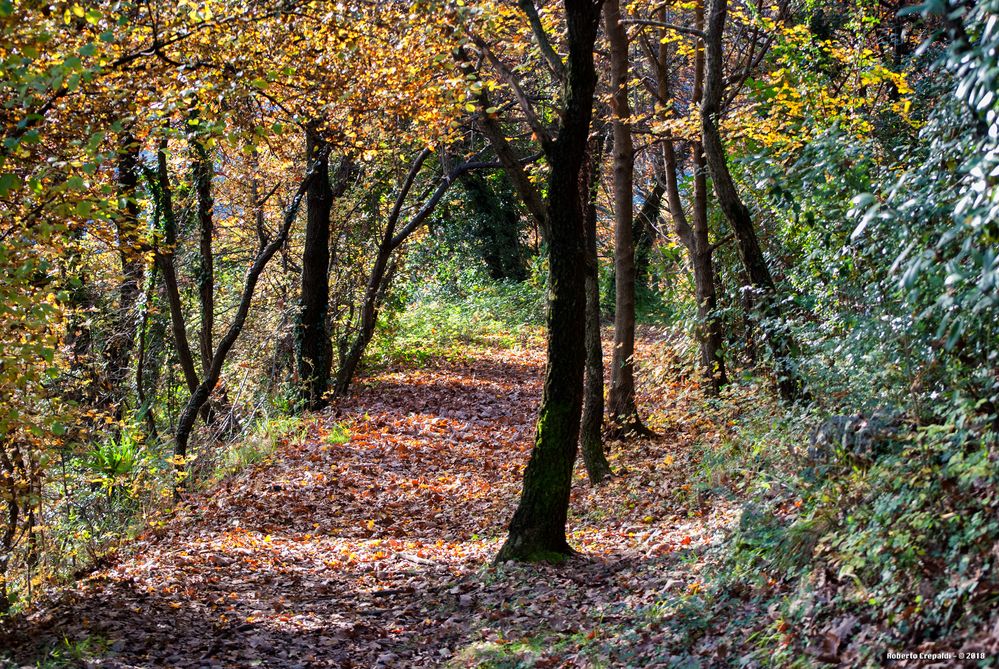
[[376, 552]]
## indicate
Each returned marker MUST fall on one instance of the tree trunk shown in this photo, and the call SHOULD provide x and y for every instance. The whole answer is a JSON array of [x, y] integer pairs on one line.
[[145, 408], [314, 350], [779, 344], [621, 403], [165, 259], [122, 340], [709, 326], [644, 233], [219, 412], [267, 249], [694, 238], [369, 318], [537, 530], [591, 437], [10, 480], [384, 266], [202, 170]]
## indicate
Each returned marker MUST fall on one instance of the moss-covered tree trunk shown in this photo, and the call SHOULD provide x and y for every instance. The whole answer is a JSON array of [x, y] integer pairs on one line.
[[537, 530]]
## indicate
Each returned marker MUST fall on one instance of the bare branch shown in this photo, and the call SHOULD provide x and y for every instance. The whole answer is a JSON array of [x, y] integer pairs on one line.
[[683, 30]]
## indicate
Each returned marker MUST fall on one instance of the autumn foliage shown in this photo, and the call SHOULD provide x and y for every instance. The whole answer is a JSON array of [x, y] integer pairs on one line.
[[495, 333]]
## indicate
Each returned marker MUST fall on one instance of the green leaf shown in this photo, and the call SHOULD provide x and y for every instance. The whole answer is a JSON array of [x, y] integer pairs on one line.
[[9, 182]]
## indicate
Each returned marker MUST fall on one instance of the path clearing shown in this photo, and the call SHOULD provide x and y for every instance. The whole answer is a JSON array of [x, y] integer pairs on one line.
[[375, 552]]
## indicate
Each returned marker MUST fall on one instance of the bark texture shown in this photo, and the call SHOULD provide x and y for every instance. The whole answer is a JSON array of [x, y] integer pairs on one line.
[[202, 171], [591, 429], [622, 408], [314, 350], [537, 530]]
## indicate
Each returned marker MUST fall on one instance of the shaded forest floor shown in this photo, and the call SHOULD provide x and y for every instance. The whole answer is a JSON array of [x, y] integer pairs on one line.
[[376, 552]]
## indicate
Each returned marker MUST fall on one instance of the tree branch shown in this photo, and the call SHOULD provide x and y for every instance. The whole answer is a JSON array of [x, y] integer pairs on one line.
[[683, 30], [544, 44], [539, 129], [431, 204]]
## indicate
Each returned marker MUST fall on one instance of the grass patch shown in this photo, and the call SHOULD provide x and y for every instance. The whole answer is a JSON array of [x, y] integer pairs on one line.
[[261, 443], [67, 653]]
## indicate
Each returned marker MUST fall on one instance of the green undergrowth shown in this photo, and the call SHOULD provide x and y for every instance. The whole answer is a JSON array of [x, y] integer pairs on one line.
[[260, 443], [847, 558], [834, 559], [537, 650], [434, 325], [66, 654]]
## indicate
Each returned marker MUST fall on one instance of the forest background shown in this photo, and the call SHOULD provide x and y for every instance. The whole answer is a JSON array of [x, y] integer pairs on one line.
[[216, 217]]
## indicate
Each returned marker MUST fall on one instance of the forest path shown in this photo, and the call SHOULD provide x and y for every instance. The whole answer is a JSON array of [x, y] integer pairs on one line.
[[375, 552]]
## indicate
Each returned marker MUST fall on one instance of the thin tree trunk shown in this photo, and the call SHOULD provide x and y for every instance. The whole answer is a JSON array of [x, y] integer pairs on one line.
[[694, 239], [129, 253], [266, 250], [145, 410], [591, 437], [382, 270], [644, 233], [11, 481], [537, 530], [202, 170], [165, 259], [369, 318], [621, 402], [710, 333], [780, 344], [314, 350]]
